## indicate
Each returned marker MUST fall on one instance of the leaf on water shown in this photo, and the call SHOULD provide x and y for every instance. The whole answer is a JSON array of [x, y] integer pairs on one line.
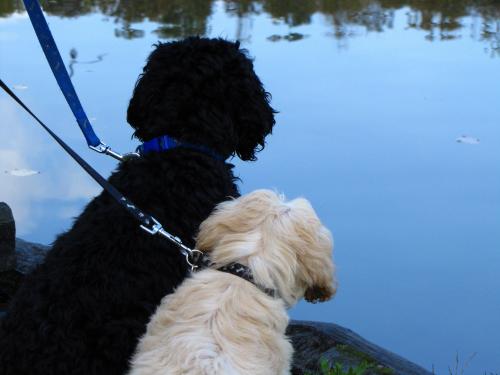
[[274, 38], [20, 87], [22, 172], [468, 140]]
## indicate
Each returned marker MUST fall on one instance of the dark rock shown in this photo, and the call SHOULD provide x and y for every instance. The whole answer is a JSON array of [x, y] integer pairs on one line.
[[315, 341], [9, 282], [29, 255], [7, 238]]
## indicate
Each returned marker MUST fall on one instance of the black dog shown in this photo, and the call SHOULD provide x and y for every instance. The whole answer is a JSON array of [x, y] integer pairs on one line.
[[83, 310]]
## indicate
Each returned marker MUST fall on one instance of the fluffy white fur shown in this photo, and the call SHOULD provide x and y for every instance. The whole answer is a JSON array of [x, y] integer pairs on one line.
[[218, 323]]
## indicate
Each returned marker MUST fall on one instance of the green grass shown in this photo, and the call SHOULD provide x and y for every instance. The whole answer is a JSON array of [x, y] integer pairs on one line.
[[365, 360], [458, 369], [337, 369]]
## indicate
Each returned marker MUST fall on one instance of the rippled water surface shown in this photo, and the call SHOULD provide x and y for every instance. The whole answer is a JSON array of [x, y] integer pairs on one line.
[[389, 123]]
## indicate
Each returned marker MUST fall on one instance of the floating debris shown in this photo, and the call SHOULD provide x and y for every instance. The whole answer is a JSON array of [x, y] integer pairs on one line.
[[468, 140], [274, 38], [129, 33], [291, 37], [20, 87], [22, 172]]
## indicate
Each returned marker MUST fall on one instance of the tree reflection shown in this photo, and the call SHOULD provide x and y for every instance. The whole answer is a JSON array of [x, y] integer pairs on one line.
[[8, 7], [440, 19], [180, 18]]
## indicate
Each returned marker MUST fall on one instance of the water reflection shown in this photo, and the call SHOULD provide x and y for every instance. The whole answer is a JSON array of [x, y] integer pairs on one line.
[[442, 20], [55, 178], [73, 55]]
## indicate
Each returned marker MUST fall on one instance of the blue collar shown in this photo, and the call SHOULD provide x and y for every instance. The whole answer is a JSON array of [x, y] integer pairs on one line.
[[164, 143]]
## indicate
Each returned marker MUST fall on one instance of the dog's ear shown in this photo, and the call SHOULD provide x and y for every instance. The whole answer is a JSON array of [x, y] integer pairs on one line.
[[316, 268], [254, 122], [319, 269], [320, 293], [320, 279], [251, 113]]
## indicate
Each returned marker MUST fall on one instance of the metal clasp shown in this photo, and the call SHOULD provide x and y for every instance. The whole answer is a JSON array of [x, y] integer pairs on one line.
[[188, 253], [155, 227], [192, 258], [102, 148]]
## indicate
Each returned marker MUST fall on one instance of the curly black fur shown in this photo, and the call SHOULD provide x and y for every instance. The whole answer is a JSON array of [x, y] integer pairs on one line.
[[204, 93], [83, 310]]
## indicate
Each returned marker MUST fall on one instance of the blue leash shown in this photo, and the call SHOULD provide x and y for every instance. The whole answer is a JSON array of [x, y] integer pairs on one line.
[[61, 74], [56, 63]]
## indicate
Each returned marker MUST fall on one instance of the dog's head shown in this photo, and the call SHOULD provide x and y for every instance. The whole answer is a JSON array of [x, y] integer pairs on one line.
[[284, 244], [202, 91]]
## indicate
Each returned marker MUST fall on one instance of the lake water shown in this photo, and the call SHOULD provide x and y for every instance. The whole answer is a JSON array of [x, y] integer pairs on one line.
[[389, 123]]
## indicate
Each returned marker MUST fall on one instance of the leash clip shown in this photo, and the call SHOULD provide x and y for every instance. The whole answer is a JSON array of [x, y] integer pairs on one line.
[[103, 148], [191, 255]]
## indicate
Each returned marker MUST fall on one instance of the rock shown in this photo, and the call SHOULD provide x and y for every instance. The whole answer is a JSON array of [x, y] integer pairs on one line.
[[29, 255], [9, 282], [316, 341], [7, 238]]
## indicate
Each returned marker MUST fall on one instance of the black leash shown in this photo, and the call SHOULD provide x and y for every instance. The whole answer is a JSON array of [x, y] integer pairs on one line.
[[147, 222]]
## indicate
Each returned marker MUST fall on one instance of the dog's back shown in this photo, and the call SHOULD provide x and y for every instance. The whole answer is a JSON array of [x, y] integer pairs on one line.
[[215, 323]]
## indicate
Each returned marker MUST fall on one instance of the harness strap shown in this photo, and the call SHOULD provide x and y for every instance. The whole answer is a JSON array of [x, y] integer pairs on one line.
[[147, 222]]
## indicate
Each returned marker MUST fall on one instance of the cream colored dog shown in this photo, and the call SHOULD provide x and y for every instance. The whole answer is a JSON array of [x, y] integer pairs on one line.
[[219, 323]]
